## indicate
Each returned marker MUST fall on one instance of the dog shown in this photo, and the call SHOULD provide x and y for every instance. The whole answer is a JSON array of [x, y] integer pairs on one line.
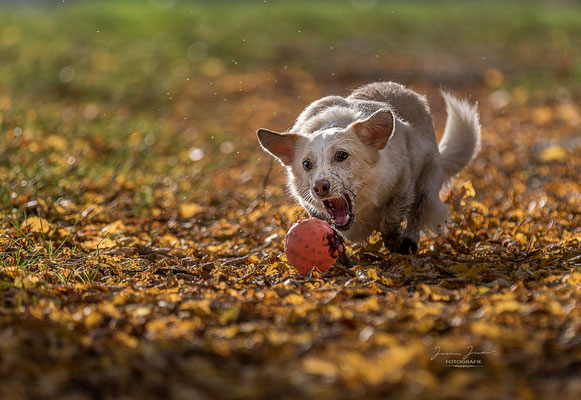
[[371, 162]]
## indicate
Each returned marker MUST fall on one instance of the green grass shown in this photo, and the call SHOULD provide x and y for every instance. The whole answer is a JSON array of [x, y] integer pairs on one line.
[[33, 252], [124, 51]]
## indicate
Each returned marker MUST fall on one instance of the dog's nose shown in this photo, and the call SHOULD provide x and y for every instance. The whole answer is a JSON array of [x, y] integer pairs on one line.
[[322, 187]]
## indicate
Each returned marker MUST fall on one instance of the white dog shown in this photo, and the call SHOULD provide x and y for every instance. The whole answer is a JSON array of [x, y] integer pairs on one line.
[[371, 161]]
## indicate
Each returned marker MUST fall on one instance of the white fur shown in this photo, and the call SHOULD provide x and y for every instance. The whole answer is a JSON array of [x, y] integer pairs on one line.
[[461, 140], [392, 186]]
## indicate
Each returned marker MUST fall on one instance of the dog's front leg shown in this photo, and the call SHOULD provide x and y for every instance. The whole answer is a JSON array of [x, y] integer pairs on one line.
[[390, 228], [405, 242], [411, 234], [394, 237], [410, 239]]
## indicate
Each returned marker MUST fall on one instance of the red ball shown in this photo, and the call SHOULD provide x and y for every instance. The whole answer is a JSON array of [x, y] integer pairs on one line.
[[312, 243]]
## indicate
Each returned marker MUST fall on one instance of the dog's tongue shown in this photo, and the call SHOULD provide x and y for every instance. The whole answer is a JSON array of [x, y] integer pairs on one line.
[[340, 210]]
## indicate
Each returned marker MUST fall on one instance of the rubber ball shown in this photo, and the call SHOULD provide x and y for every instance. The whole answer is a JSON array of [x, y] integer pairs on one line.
[[312, 243]]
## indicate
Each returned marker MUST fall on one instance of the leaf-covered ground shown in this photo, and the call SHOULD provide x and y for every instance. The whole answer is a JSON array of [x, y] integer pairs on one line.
[[141, 239]]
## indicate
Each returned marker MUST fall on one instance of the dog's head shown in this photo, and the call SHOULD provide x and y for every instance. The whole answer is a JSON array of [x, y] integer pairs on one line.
[[329, 170]]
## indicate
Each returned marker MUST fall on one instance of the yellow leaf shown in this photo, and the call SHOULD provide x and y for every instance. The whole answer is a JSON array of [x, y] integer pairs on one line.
[[114, 228], [374, 242], [387, 366], [478, 206], [521, 238], [109, 309], [169, 240], [188, 210], [542, 115], [93, 317], [277, 268], [483, 289], [128, 340], [37, 225], [26, 282], [396, 358], [294, 299], [100, 243], [334, 312], [552, 278], [553, 153], [554, 307], [424, 325], [319, 366], [219, 248], [372, 273], [468, 191], [356, 367], [485, 329], [277, 337], [228, 332], [509, 306], [156, 327], [139, 311], [384, 339], [119, 298], [170, 297], [253, 259], [229, 315], [371, 304], [474, 271], [200, 307], [436, 293], [459, 267], [573, 279]]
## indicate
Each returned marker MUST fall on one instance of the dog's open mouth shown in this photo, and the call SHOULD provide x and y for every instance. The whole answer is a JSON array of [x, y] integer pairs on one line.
[[340, 210]]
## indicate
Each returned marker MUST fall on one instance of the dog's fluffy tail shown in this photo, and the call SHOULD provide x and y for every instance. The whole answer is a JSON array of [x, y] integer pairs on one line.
[[461, 140]]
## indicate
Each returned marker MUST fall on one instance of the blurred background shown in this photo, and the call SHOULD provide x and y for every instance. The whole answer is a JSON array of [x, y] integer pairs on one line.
[[182, 86]]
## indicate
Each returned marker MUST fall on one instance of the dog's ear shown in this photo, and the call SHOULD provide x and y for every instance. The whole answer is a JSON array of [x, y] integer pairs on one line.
[[376, 130], [280, 145]]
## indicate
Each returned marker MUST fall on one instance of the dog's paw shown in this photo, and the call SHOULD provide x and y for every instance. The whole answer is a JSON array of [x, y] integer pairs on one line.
[[407, 247]]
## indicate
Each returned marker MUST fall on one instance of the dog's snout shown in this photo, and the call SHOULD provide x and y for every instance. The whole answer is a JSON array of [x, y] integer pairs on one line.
[[322, 187]]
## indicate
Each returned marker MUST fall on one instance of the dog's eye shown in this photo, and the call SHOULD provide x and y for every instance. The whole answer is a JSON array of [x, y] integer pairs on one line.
[[341, 155], [307, 164]]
